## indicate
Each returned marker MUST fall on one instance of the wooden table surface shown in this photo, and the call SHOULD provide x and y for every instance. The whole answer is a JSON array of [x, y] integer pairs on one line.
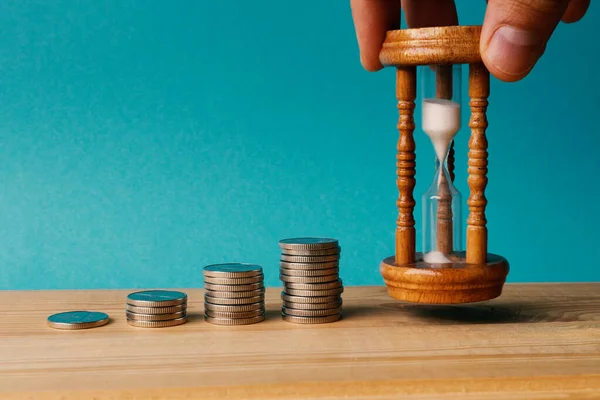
[[534, 342]]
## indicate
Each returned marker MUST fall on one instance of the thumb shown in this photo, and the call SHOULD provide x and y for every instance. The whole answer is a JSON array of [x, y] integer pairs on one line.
[[515, 33]]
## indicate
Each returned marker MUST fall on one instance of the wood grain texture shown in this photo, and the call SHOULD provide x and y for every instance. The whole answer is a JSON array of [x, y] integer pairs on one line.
[[406, 92], [443, 81], [479, 90], [535, 342], [433, 45], [455, 283]]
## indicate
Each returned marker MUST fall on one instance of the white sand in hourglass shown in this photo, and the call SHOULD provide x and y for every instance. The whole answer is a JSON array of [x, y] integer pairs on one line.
[[441, 122], [436, 257]]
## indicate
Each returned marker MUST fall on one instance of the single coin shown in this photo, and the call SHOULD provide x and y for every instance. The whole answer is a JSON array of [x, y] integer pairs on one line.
[[309, 272], [232, 270], [154, 317], [311, 320], [72, 320], [234, 321], [234, 288], [313, 306], [305, 259], [303, 299], [156, 298], [324, 265], [235, 308], [312, 252], [157, 324], [231, 302], [309, 279], [235, 295], [311, 313], [234, 281], [308, 243], [314, 286], [314, 293], [236, 314], [156, 310]]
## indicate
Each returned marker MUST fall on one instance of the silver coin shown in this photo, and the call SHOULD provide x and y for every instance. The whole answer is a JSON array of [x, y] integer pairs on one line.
[[233, 302], [235, 314], [157, 324], [304, 299], [72, 320], [154, 317], [234, 308], [311, 320], [308, 272], [234, 288], [234, 281], [311, 313], [234, 321], [313, 306], [314, 286], [232, 270], [309, 279], [308, 243], [312, 252], [308, 260], [323, 265], [235, 295], [315, 293], [156, 298], [156, 310]]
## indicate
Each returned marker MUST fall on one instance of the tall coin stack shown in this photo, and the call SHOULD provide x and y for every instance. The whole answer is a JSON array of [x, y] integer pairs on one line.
[[156, 309], [309, 269], [235, 294]]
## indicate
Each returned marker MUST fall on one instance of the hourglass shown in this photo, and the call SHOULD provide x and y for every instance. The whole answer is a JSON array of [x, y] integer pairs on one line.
[[443, 272]]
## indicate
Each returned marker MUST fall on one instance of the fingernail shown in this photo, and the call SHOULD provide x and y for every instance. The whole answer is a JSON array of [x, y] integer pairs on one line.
[[514, 51]]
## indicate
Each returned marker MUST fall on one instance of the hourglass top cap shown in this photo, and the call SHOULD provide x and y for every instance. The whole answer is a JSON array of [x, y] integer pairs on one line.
[[434, 45]]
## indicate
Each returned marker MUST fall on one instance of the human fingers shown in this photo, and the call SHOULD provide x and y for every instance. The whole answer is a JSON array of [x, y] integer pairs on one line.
[[372, 19], [515, 33], [425, 13], [575, 11]]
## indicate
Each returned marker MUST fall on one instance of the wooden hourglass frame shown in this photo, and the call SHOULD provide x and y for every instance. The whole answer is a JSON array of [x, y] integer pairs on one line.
[[473, 275]]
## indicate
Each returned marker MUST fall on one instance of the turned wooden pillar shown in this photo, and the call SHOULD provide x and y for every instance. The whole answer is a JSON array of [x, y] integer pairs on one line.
[[443, 86], [443, 81], [479, 90], [445, 234], [406, 92]]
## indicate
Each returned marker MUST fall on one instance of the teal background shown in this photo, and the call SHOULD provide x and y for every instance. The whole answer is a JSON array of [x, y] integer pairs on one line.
[[142, 140]]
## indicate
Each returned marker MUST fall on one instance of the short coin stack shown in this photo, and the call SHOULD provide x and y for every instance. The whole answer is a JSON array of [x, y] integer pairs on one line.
[[309, 269], [72, 320], [235, 294], [156, 309]]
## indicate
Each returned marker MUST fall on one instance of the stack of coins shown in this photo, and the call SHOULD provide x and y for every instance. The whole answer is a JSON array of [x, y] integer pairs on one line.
[[312, 286], [156, 309], [235, 294]]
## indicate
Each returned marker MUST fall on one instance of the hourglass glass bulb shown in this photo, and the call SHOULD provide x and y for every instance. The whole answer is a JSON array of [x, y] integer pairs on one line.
[[441, 122]]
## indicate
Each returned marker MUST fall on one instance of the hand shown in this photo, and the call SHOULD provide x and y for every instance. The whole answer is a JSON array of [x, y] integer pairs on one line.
[[513, 36]]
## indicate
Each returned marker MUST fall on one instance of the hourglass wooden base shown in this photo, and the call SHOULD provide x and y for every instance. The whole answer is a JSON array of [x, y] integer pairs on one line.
[[454, 283]]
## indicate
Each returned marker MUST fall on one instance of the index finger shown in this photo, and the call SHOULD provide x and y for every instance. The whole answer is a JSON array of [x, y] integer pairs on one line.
[[373, 18]]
